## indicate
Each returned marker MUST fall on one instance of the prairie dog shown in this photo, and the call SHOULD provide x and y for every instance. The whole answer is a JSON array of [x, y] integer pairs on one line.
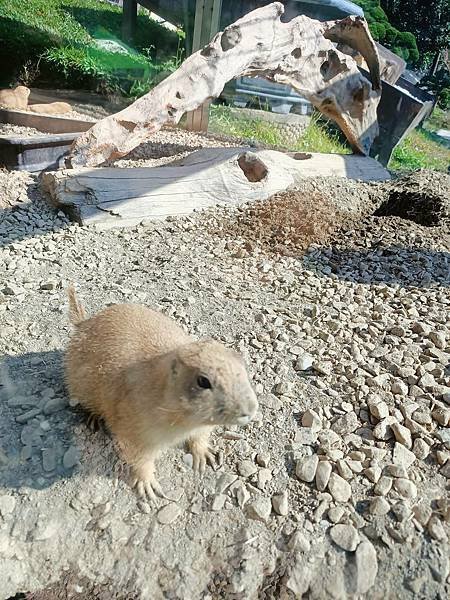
[[153, 384], [15, 98]]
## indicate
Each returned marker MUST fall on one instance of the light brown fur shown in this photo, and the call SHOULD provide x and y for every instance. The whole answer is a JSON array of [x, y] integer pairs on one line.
[[51, 108], [16, 98], [139, 371]]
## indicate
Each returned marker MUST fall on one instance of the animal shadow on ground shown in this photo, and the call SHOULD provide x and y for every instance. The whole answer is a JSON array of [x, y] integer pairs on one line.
[[42, 438]]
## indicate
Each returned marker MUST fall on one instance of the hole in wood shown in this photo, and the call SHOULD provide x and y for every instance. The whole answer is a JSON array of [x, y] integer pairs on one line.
[[296, 53], [302, 156], [231, 37], [332, 67], [129, 125], [253, 168]]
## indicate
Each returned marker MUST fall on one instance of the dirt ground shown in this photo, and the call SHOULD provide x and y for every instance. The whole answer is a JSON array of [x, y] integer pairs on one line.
[[337, 295]]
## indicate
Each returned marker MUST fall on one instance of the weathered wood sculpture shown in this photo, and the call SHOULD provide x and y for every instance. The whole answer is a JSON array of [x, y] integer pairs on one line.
[[300, 53], [111, 197]]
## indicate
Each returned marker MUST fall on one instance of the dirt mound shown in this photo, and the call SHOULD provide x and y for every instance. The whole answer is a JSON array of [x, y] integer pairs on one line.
[[287, 223]]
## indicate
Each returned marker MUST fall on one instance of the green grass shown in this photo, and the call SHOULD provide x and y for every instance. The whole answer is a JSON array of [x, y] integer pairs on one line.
[[439, 119], [55, 41], [420, 150], [318, 137]]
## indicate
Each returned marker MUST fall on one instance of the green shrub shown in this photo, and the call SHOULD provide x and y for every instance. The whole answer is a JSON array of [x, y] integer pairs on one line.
[[391, 35], [402, 43], [56, 41], [439, 84], [444, 98]]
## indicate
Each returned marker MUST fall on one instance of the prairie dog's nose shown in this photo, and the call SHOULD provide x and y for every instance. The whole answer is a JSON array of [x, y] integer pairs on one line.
[[249, 407]]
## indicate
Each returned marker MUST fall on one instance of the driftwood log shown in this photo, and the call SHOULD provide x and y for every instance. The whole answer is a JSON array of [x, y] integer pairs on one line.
[[300, 53], [111, 197]]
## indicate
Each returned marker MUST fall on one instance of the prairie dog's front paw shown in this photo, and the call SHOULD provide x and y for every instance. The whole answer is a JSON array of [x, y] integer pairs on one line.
[[148, 488], [145, 482], [201, 457]]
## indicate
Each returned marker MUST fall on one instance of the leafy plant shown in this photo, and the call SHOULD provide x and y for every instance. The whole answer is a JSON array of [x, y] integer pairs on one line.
[[60, 38], [402, 43]]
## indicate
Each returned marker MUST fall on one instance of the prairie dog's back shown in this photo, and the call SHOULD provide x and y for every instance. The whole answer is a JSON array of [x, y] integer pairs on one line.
[[102, 346]]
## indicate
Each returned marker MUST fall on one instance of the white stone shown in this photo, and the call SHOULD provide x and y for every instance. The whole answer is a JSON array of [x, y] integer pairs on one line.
[[304, 362], [7, 504], [218, 502], [373, 474], [441, 416], [259, 509], [345, 424], [438, 338], [344, 469], [339, 488], [335, 513], [436, 529], [399, 387], [263, 459], [323, 473], [298, 541], [246, 468], [280, 503], [345, 536], [379, 506], [420, 448], [306, 468], [311, 419], [383, 486], [378, 408], [405, 488], [402, 434], [366, 567], [383, 431], [168, 513], [402, 456]]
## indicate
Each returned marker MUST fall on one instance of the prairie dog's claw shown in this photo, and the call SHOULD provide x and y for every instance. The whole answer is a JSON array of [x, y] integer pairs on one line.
[[94, 422], [200, 459], [150, 489]]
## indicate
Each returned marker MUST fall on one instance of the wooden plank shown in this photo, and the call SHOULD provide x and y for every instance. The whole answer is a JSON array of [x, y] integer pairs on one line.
[[205, 178], [207, 19], [129, 20]]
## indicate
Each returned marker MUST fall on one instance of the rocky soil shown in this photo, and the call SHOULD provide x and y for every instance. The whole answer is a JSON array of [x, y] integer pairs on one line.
[[338, 489]]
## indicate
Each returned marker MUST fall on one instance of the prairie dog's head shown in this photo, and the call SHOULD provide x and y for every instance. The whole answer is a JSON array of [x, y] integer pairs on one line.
[[210, 385]]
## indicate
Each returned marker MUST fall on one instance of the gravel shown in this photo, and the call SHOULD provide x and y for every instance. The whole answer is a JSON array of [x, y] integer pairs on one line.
[[338, 487]]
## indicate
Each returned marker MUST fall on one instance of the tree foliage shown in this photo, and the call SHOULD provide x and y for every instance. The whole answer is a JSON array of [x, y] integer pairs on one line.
[[384, 31], [429, 22]]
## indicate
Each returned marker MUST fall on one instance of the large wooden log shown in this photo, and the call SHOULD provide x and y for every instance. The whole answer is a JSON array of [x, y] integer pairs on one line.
[[300, 53], [112, 197]]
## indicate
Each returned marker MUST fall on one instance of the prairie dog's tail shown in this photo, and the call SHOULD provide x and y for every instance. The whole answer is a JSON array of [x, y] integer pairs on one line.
[[76, 309]]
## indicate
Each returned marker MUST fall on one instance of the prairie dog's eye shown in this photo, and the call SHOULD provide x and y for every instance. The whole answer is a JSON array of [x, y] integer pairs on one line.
[[203, 382]]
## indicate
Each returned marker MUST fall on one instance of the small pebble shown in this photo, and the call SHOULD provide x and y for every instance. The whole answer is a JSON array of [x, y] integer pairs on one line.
[[280, 503], [379, 506], [339, 488], [168, 513], [306, 468], [259, 509], [345, 536]]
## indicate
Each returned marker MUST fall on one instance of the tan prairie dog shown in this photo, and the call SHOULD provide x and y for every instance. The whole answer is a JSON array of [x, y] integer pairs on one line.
[[51, 108], [153, 384], [16, 98]]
